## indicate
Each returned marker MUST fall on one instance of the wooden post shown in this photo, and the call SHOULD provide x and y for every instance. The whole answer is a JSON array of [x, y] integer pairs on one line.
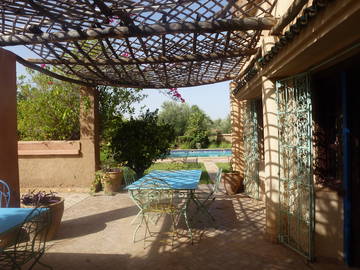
[[9, 169]]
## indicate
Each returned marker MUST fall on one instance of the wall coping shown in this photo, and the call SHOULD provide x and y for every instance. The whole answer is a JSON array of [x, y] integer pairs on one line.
[[48, 148]]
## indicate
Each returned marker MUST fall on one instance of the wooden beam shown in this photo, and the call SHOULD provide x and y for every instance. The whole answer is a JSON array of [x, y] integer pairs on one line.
[[50, 73], [289, 15], [149, 60], [237, 24]]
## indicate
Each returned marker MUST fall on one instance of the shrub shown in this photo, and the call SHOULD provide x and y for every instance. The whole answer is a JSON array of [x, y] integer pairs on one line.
[[138, 143]]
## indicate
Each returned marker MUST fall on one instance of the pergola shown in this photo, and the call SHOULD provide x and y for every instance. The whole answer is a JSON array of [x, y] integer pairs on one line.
[[141, 44]]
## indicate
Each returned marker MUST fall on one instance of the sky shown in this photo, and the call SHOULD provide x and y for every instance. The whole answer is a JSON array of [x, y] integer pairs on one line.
[[213, 99]]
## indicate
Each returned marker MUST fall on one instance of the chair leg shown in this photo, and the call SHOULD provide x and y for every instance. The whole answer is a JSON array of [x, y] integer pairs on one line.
[[203, 207], [174, 228], [138, 226], [188, 226], [138, 214]]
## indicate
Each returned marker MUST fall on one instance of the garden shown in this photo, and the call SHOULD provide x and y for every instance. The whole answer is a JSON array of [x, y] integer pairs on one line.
[[48, 109]]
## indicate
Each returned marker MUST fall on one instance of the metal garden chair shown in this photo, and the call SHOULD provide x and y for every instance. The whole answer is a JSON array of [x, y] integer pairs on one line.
[[4, 194], [205, 200], [155, 197], [129, 176], [28, 244]]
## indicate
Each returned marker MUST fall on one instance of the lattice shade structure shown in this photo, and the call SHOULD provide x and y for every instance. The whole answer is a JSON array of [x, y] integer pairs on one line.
[[144, 43]]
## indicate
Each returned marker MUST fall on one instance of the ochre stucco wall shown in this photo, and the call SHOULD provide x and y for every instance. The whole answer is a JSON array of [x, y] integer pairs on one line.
[[58, 164], [8, 129], [52, 166], [328, 225]]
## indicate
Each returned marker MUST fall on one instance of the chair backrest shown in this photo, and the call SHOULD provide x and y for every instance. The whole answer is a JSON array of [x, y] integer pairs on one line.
[[217, 181], [4, 194], [129, 176], [153, 194], [30, 239]]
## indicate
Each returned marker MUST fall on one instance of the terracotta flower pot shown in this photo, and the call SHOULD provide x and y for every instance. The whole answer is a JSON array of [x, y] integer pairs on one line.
[[233, 182], [57, 211], [112, 182]]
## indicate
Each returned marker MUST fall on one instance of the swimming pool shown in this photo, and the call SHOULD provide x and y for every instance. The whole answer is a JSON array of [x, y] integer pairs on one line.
[[200, 153]]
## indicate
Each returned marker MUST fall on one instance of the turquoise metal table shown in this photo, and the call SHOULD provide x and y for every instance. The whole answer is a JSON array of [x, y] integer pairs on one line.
[[179, 180], [12, 217], [15, 253]]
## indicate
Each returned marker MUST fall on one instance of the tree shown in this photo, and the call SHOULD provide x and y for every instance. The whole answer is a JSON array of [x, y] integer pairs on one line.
[[197, 129], [226, 125], [48, 109], [138, 143], [176, 115], [222, 125], [114, 102]]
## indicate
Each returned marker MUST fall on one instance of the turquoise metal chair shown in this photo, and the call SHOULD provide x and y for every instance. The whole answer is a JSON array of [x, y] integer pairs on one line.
[[129, 176], [4, 194], [154, 197], [27, 242], [204, 201]]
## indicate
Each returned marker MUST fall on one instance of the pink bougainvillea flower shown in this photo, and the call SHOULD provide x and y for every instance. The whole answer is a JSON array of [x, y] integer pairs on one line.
[[43, 65], [125, 54]]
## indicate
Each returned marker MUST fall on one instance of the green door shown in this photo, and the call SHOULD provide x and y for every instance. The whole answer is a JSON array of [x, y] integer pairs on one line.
[[296, 191]]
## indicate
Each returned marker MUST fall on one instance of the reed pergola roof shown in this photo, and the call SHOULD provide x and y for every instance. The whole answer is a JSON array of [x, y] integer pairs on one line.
[[143, 43]]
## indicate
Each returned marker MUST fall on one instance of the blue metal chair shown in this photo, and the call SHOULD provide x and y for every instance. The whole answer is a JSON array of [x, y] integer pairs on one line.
[[28, 242], [4, 194]]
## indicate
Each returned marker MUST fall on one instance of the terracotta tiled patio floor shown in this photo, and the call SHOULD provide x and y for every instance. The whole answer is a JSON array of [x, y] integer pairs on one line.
[[96, 234]]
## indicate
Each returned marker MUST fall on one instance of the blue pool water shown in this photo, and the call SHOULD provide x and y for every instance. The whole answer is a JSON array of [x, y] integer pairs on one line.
[[200, 153]]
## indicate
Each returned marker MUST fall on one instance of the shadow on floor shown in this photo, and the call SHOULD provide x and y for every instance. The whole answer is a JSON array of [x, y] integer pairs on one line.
[[97, 234], [92, 223]]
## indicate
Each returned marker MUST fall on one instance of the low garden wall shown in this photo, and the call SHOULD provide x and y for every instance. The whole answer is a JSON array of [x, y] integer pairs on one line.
[[56, 164], [224, 137]]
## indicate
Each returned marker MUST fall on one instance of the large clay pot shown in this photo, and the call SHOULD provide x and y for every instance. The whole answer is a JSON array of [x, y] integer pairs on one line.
[[233, 182], [112, 182], [57, 211]]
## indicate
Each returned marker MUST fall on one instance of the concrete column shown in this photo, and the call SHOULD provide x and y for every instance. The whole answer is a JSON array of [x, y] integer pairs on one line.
[[9, 171], [237, 139], [270, 151], [89, 134]]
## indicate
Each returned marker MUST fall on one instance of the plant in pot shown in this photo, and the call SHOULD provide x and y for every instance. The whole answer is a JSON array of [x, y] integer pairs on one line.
[[50, 200], [233, 181], [110, 176]]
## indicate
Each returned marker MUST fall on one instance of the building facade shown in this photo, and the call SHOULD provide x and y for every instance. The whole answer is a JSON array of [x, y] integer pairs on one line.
[[296, 132]]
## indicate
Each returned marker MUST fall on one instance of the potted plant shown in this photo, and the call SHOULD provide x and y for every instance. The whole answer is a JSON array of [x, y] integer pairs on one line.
[[96, 185], [109, 178], [50, 200], [233, 181]]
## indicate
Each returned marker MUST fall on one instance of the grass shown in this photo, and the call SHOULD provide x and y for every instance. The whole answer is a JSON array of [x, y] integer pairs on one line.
[[225, 166], [205, 179]]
